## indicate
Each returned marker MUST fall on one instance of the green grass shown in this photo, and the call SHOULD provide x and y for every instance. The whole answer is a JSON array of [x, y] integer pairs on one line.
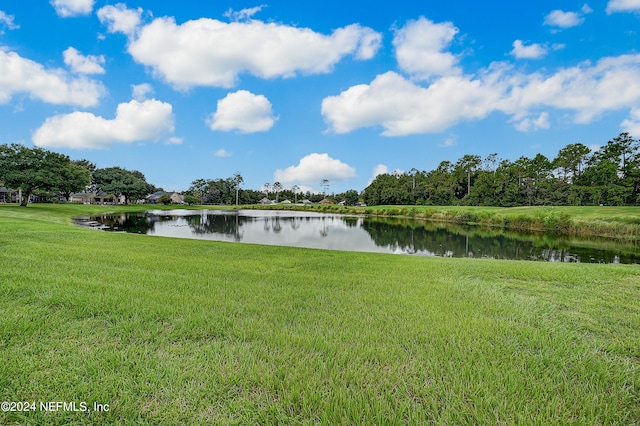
[[170, 331]]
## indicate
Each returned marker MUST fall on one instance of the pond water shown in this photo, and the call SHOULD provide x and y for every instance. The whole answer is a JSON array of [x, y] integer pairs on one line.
[[365, 234]]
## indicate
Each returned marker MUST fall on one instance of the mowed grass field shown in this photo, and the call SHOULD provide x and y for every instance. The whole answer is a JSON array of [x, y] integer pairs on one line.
[[169, 331]]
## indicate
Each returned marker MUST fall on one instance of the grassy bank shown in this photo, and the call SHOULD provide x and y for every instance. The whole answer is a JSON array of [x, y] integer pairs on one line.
[[170, 331], [583, 221]]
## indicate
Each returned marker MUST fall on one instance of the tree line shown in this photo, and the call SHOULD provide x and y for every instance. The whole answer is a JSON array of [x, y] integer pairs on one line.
[[229, 191], [576, 176], [49, 176]]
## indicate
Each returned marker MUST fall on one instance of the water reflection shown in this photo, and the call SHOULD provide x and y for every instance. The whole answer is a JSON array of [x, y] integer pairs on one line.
[[350, 233]]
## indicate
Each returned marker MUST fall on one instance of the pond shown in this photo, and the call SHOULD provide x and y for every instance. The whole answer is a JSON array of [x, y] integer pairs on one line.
[[365, 234]]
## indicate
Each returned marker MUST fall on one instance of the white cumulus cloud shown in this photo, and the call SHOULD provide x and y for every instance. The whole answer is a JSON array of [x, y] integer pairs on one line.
[[588, 90], [174, 140], [83, 64], [67, 8], [450, 141], [632, 124], [243, 111], [421, 48], [533, 123], [243, 14], [623, 6], [134, 122], [532, 51], [403, 107], [55, 86], [313, 168], [8, 21], [141, 92], [208, 52], [121, 19], [222, 153], [561, 19]]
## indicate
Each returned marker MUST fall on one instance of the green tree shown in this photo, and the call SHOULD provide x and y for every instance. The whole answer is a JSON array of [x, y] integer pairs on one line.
[[467, 167], [33, 169], [349, 197], [165, 199], [237, 180], [570, 161], [266, 188], [75, 178], [86, 164], [277, 187], [295, 189], [508, 178], [221, 191], [198, 188], [536, 171], [413, 172], [116, 180], [384, 189], [620, 151], [191, 200], [441, 185], [484, 191]]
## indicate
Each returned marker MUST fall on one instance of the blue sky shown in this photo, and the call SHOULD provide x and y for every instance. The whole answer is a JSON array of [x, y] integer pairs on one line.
[[297, 92]]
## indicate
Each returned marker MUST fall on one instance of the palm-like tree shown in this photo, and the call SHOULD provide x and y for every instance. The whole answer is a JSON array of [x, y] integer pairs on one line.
[[277, 187], [237, 180], [324, 183], [295, 189], [266, 187]]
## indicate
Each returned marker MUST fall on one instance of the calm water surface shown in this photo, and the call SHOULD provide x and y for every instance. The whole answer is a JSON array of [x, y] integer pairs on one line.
[[366, 234]]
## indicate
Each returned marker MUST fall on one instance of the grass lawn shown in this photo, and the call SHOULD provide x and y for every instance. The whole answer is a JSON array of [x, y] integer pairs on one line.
[[170, 331]]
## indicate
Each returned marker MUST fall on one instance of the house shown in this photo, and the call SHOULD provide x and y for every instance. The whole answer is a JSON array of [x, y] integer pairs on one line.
[[174, 197], [306, 202], [83, 198], [96, 198], [153, 198], [265, 200], [177, 198], [8, 196]]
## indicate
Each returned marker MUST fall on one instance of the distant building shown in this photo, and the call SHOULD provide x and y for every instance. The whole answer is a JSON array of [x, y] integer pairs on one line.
[[174, 197], [96, 198], [153, 198], [8, 196]]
